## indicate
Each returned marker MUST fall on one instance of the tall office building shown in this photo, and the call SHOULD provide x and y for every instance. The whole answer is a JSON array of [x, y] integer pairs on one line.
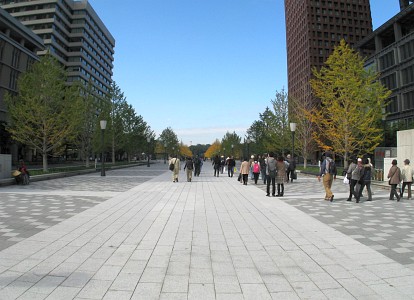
[[313, 28], [72, 32], [18, 47], [392, 49]]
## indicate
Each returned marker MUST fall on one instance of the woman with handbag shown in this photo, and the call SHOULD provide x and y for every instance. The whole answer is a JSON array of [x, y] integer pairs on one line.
[[394, 176]]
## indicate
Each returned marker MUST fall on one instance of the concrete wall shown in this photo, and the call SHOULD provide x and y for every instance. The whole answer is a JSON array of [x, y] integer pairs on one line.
[[405, 145], [5, 166]]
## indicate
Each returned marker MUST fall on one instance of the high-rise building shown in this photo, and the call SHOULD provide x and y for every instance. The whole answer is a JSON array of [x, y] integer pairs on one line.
[[18, 47], [392, 49], [313, 28], [72, 32]]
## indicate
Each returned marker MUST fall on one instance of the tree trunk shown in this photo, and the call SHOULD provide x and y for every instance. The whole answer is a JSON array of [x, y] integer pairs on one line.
[[305, 161], [44, 154], [113, 148]]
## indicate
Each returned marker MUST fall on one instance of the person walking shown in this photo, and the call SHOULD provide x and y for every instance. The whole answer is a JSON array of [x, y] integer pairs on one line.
[[270, 174], [176, 162], [407, 178], [357, 175], [352, 182], [231, 163], [244, 170], [291, 169], [256, 171], [251, 161], [365, 180], [262, 161], [328, 174], [197, 165], [394, 175], [189, 165], [216, 164], [281, 176]]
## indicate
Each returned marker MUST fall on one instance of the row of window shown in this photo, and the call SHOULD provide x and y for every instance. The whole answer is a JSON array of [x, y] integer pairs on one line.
[[388, 59], [407, 103], [407, 77], [341, 13], [341, 4], [338, 28]]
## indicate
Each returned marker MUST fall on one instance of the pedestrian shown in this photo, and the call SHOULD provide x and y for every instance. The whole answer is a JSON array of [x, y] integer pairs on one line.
[[189, 165], [197, 165], [281, 176], [357, 175], [352, 183], [365, 180], [328, 174], [394, 175], [262, 161], [270, 174], [231, 163], [222, 164], [244, 170], [407, 177], [216, 164], [256, 171], [291, 169], [176, 170], [251, 161], [286, 161]]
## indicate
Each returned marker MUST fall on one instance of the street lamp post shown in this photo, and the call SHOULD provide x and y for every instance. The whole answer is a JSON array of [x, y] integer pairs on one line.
[[148, 152], [165, 153], [224, 152], [232, 150], [293, 129], [103, 127]]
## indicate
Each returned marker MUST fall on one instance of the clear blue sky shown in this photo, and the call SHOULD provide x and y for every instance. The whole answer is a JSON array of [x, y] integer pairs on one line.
[[202, 67]]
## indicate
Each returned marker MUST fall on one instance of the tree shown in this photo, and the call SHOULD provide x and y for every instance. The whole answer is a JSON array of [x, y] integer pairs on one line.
[[227, 141], [213, 150], [119, 108], [87, 107], [281, 121], [304, 142], [169, 138], [185, 151], [352, 100], [43, 112]]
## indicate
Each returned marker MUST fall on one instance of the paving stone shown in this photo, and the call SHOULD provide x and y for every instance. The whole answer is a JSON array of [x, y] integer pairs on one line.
[[149, 238]]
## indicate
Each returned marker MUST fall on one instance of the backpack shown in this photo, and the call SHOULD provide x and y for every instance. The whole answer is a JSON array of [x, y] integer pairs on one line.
[[256, 168], [271, 166], [190, 165], [332, 167]]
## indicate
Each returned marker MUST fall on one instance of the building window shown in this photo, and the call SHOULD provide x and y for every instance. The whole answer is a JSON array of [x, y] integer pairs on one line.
[[392, 106], [389, 81], [407, 50], [16, 58], [13, 80], [407, 75], [387, 60], [408, 101]]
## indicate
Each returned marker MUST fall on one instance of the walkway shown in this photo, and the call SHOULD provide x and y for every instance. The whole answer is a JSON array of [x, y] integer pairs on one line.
[[145, 237]]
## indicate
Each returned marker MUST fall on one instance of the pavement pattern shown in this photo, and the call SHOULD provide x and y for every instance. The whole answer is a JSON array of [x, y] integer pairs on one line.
[[137, 235]]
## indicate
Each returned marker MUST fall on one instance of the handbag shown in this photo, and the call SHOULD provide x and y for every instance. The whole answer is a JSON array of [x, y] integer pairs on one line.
[[240, 177], [294, 175], [346, 180]]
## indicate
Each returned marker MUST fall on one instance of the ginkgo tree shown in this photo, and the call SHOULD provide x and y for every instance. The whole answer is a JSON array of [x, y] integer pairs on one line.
[[352, 101], [44, 112]]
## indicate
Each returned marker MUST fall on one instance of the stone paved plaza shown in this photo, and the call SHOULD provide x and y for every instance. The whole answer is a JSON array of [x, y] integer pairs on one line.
[[135, 234]]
